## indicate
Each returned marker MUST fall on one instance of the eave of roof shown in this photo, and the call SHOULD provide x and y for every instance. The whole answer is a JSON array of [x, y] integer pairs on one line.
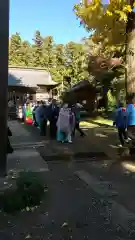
[[82, 84], [27, 77]]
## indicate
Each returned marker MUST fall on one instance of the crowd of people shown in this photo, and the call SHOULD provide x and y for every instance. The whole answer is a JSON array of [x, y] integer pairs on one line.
[[63, 119]]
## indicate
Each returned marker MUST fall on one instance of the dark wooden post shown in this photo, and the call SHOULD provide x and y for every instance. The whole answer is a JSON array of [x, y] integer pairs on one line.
[[4, 42]]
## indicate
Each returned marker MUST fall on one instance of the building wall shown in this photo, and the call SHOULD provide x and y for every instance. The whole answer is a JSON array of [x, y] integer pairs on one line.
[[43, 96], [21, 94], [87, 95], [17, 96]]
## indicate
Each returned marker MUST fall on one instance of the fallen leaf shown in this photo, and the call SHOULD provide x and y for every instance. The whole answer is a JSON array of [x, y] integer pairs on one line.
[[45, 190], [114, 193], [105, 165], [32, 209], [5, 183], [13, 177], [28, 236], [65, 224], [27, 209], [46, 213], [36, 207]]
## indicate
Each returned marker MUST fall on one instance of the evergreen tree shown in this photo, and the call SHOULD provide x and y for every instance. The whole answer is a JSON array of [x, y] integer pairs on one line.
[[15, 53], [37, 50], [60, 60], [26, 50]]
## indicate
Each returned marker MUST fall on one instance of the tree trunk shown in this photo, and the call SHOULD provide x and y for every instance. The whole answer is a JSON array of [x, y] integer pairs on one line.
[[130, 54]]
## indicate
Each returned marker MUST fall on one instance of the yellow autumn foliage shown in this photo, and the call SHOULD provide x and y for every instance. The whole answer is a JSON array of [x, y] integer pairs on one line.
[[108, 22]]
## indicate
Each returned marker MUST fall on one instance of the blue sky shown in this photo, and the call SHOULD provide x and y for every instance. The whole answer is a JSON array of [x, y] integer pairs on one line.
[[51, 17]]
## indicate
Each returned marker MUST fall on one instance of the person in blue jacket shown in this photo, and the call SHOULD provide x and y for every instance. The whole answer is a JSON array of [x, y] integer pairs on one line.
[[131, 116], [121, 123]]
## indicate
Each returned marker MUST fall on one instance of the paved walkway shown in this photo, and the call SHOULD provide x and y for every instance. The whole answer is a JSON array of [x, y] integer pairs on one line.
[[17, 129], [25, 155], [97, 140], [113, 179], [22, 138], [69, 210], [106, 139], [26, 160]]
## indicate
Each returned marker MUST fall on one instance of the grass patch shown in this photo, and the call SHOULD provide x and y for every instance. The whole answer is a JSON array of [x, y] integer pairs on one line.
[[97, 120], [103, 121], [86, 124]]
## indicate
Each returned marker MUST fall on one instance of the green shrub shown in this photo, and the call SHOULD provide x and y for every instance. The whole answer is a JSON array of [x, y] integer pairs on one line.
[[29, 193], [30, 188], [10, 201]]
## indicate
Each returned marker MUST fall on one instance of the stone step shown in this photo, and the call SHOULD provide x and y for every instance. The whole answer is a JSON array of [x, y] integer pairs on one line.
[[25, 145], [71, 155], [26, 160]]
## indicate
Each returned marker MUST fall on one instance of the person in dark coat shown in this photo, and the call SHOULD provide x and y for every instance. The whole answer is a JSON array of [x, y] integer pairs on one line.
[[76, 110], [53, 113], [34, 117], [9, 147], [41, 118]]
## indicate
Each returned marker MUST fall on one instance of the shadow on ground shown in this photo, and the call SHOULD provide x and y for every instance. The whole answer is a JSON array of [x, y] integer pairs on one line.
[[71, 211]]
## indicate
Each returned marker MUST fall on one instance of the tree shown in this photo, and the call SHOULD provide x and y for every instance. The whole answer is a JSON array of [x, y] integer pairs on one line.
[[76, 61], [60, 60], [107, 21], [113, 26], [26, 50], [48, 52], [59, 70], [37, 49], [15, 53]]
